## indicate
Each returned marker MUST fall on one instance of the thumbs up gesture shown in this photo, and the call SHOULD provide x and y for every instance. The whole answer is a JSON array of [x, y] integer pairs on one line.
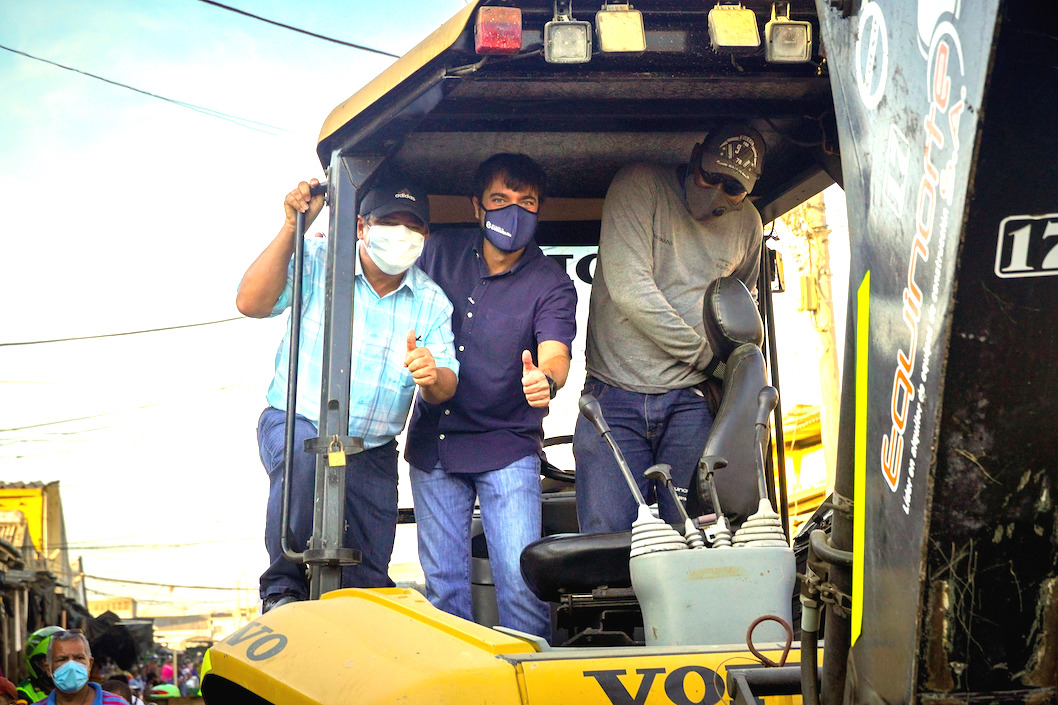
[[420, 362], [534, 383]]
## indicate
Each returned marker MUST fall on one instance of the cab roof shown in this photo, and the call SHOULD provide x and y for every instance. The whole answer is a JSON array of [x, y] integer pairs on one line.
[[440, 109]]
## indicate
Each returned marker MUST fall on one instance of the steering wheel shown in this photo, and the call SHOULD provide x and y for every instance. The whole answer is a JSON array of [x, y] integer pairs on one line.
[[551, 471]]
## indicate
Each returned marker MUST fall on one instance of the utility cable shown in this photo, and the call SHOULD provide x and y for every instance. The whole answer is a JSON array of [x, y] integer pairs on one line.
[[324, 37], [169, 585], [79, 418], [93, 416], [105, 413], [131, 332], [79, 547], [150, 601], [240, 121]]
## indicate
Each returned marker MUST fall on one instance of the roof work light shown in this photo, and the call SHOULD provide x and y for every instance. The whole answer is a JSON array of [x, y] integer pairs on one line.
[[619, 27], [787, 41], [566, 41], [733, 29], [498, 30]]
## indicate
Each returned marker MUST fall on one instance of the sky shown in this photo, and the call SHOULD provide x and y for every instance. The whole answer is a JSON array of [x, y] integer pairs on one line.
[[126, 213]]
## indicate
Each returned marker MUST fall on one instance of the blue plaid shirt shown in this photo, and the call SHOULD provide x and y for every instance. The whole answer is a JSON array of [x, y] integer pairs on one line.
[[381, 389]]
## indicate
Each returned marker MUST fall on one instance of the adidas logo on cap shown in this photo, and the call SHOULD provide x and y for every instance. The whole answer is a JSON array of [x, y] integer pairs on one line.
[[403, 193]]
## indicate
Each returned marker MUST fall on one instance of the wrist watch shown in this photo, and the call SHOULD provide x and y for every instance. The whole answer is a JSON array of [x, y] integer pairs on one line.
[[552, 387]]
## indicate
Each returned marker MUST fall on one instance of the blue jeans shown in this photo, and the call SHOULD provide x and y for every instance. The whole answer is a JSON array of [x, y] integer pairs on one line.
[[510, 514], [648, 428], [370, 507]]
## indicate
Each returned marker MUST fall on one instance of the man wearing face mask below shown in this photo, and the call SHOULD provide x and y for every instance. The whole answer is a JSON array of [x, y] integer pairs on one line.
[[667, 232], [69, 663], [514, 322], [402, 340]]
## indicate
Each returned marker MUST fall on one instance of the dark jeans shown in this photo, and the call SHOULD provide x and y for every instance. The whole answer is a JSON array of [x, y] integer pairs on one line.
[[370, 507], [648, 428]]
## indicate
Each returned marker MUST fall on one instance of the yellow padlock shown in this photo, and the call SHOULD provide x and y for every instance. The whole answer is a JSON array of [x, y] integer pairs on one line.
[[335, 454]]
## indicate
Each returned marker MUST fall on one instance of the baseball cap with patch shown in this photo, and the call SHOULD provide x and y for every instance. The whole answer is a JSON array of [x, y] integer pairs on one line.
[[736, 150], [394, 194]]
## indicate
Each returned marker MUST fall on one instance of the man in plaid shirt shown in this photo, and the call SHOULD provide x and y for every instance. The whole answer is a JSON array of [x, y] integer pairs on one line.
[[402, 340]]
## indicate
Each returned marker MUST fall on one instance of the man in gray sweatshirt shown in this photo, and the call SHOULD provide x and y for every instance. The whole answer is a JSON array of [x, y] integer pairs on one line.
[[667, 232]]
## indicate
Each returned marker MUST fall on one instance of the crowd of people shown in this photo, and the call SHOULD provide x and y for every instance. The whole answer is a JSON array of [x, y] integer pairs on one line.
[[157, 678], [469, 329], [62, 671]]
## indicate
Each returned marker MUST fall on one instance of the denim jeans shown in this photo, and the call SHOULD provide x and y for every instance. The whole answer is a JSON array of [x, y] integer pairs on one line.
[[510, 514], [370, 507], [648, 428]]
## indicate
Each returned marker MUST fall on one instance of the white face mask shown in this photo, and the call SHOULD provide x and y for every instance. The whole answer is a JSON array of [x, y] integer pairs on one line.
[[394, 248]]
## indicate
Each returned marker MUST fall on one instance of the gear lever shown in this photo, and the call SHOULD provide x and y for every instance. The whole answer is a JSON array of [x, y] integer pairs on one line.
[[589, 408], [649, 534], [662, 472]]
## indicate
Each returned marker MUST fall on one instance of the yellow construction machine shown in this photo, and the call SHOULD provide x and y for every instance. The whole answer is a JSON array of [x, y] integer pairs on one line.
[[930, 573]]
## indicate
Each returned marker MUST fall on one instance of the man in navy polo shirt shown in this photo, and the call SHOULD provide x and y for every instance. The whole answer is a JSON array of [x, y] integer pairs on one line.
[[513, 321]]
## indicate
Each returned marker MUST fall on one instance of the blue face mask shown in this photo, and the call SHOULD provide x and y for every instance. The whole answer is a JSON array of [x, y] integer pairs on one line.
[[510, 228], [70, 677]]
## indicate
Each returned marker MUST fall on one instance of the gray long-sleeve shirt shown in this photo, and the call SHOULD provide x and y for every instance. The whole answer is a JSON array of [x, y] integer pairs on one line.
[[645, 331]]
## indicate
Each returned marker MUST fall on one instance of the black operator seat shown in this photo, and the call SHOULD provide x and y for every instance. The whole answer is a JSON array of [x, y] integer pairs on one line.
[[735, 333], [577, 564], [567, 564]]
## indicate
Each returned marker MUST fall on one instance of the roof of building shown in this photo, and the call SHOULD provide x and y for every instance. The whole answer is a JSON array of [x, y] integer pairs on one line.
[[34, 485]]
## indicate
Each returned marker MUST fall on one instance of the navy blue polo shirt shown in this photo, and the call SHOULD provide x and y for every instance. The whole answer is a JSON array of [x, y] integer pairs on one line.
[[488, 424]]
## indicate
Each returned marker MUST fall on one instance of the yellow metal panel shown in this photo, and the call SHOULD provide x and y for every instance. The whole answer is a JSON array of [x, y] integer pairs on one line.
[[426, 50], [392, 646], [859, 519], [29, 501], [370, 646]]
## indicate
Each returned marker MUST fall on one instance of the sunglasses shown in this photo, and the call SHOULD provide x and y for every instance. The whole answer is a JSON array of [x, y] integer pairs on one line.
[[730, 186]]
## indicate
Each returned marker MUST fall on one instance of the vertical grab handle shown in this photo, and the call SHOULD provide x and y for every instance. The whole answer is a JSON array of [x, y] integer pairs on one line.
[[292, 390]]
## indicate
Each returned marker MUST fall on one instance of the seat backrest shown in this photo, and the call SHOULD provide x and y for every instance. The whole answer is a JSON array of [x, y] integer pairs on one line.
[[735, 333], [730, 317]]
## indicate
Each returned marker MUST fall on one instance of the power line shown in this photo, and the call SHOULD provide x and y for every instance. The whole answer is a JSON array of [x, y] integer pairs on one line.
[[86, 418], [63, 433], [240, 121], [79, 418], [204, 605], [115, 335], [80, 547], [150, 601], [169, 585], [296, 29], [93, 416]]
